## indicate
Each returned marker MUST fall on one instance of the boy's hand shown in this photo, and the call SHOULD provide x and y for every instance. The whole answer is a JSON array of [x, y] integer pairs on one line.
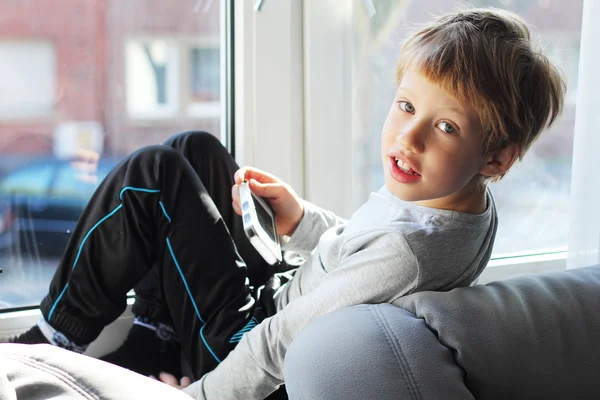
[[170, 380], [283, 199]]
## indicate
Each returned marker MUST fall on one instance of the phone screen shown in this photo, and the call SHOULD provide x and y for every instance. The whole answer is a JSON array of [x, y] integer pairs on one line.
[[265, 220]]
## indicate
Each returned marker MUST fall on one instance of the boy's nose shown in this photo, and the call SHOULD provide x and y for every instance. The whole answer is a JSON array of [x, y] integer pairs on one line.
[[412, 138]]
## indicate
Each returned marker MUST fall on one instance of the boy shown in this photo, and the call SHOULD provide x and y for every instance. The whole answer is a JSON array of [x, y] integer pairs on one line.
[[472, 96]]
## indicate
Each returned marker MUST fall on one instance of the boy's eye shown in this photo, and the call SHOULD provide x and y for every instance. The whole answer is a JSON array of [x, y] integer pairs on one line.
[[406, 106], [446, 127]]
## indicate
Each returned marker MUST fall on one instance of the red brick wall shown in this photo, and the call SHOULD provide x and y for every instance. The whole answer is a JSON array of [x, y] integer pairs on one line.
[[88, 37], [76, 30]]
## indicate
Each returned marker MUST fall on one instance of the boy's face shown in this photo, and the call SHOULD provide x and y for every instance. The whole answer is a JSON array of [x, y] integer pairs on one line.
[[431, 147]]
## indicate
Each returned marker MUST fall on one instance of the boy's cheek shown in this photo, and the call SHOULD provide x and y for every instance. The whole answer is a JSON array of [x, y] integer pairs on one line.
[[388, 135], [391, 128]]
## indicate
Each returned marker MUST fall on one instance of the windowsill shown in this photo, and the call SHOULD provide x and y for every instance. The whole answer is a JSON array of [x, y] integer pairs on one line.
[[14, 322], [503, 268], [521, 258]]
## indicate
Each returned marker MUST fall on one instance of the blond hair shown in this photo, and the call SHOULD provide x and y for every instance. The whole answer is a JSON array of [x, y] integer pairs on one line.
[[487, 58]]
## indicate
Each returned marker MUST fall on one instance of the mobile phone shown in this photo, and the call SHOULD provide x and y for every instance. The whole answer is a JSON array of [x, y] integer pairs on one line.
[[259, 225]]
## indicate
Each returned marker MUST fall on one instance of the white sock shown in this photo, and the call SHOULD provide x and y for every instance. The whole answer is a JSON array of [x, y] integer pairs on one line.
[[163, 331], [58, 338]]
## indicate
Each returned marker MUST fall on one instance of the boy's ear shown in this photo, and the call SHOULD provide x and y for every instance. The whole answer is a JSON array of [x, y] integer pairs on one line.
[[500, 161]]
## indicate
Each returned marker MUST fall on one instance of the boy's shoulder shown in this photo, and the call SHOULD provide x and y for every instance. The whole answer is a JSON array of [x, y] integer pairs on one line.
[[384, 211]]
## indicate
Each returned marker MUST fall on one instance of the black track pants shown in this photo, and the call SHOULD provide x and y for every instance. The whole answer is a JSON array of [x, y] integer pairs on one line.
[[162, 223]]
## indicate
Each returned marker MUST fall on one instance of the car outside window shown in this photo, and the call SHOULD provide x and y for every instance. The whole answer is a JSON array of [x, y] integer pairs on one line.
[[33, 180]]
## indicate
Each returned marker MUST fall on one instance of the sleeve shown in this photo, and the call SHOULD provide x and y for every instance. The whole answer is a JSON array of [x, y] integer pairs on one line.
[[379, 272], [312, 225]]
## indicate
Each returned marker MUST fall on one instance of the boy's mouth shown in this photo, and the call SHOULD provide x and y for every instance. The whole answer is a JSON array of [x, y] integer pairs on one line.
[[402, 172], [405, 167]]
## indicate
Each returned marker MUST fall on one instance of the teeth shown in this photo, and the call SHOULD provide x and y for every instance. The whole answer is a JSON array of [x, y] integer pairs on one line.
[[405, 167]]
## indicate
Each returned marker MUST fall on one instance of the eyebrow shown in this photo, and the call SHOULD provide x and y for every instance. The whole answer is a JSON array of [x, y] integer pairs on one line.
[[405, 89], [458, 110], [455, 109]]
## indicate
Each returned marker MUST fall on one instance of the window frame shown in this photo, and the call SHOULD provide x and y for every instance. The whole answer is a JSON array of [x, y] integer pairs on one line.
[[584, 214], [269, 115]]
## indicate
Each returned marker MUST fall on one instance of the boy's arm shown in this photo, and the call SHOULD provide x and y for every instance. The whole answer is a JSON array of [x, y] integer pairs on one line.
[[380, 271], [313, 224]]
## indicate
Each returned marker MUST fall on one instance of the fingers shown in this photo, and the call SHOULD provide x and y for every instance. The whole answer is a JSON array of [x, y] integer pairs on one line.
[[236, 208], [247, 173], [268, 190], [239, 175], [235, 199], [169, 379], [261, 184], [185, 382]]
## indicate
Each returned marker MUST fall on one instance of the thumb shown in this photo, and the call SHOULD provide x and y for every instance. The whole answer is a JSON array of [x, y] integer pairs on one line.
[[185, 382], [264, 189]]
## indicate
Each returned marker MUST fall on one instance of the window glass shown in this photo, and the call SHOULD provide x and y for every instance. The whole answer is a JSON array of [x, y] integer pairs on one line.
[[81, 85], [532, 199], [78, 179]]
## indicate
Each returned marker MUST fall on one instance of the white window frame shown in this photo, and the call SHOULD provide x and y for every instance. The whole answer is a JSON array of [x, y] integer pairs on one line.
[[328, 83], [269, 124], [584, 222]]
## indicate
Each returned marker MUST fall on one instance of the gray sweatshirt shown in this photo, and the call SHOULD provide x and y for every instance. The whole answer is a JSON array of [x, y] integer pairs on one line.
[[388, 249]]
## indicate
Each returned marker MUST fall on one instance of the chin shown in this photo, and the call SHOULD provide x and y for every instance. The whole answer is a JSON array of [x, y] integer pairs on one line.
[[400, 192]]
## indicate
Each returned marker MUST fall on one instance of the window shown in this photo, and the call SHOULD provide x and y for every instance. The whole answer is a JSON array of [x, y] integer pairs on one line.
[[116, 77], [28, 80], [204, 74], [203, 88], [152, 78], [172, 79]]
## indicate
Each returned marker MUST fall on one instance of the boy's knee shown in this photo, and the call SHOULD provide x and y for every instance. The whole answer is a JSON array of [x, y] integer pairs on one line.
[[196, 140], [151, 154]]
